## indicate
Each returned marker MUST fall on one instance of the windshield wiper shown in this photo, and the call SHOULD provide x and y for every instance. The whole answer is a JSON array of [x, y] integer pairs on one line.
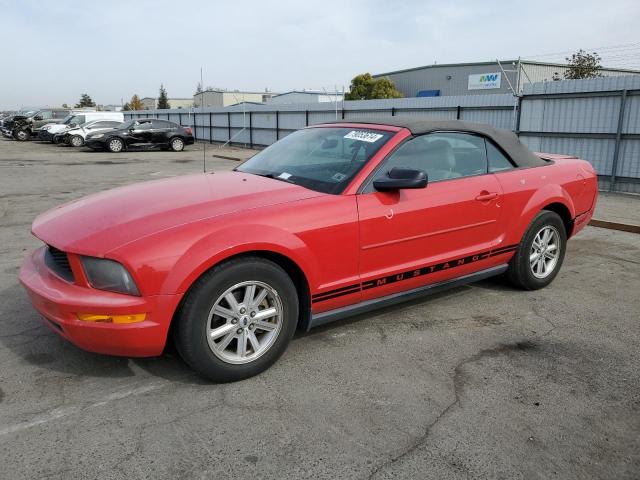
[[275, 177]]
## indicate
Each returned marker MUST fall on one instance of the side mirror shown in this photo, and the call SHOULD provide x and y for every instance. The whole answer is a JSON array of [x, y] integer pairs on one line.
[[37, 118], [399, 178]]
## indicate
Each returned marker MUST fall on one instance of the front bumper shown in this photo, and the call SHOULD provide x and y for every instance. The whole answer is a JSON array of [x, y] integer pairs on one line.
[[44, 135], [95, 144], [59, 302]]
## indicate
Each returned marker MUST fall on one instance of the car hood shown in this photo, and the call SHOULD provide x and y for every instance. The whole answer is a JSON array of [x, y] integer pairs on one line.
[[99, 223]]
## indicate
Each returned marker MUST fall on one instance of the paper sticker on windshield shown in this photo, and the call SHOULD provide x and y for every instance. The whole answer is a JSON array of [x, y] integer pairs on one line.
[[363, 136], [284, 176]]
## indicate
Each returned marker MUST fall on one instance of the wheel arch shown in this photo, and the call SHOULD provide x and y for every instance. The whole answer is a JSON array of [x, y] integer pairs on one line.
[[290, 266], [564, 213], [551, 197]]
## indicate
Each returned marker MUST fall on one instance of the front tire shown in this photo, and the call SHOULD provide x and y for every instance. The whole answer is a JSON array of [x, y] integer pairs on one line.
[[177, 144], [115, 145], [76, 141], [540, 254], [237, 319], [22, 135]]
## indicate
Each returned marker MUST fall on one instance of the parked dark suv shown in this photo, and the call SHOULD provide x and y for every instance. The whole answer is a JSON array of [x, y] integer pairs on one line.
[[22, 127], [142, 132]]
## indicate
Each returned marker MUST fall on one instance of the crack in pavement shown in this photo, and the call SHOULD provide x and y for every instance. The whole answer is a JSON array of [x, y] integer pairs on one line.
[[500, 349]]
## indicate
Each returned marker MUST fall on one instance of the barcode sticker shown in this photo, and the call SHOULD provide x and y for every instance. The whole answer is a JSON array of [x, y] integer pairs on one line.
[[369, 137]]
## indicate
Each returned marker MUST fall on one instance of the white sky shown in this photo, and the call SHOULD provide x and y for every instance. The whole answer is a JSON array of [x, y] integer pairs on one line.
[[55, 50]]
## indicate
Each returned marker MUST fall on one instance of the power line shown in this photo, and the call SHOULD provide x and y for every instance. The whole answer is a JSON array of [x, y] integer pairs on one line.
[[590, 49]]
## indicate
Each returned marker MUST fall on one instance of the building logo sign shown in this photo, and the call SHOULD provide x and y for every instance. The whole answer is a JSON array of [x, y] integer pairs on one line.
[[482, 81]]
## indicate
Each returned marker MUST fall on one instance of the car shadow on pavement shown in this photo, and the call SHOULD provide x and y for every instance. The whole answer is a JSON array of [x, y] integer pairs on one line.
[[24, 333], [496, 283]]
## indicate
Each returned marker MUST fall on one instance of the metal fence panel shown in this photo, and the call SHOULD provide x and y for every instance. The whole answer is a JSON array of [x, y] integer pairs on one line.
[[577, 117]]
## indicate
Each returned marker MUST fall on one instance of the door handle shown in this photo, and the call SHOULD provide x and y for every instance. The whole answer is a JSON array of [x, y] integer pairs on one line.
[[486, 196]]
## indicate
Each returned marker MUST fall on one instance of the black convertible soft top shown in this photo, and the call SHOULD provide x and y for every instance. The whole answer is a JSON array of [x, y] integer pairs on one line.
[[506, 139]]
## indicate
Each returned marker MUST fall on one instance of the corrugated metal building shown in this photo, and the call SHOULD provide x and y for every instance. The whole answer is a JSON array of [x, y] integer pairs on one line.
[[478, 78]]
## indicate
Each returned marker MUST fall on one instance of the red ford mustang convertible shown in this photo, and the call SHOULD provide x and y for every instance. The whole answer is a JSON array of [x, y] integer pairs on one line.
[[333, 220]]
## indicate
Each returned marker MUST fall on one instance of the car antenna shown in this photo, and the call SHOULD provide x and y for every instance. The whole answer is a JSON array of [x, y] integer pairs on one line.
[[204, 144]]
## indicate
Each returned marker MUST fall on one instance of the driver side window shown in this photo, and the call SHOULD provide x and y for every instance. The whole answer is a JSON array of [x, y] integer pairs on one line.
[[442, 156], [143, 126]]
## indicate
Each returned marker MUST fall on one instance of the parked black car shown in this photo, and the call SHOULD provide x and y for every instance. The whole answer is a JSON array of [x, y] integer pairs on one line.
[[142, 132]]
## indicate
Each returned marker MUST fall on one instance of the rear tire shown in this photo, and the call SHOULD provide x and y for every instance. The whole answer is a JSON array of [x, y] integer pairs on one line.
[[177, 144], [231, 340], [76, 141], [115, 145], [540, 254]]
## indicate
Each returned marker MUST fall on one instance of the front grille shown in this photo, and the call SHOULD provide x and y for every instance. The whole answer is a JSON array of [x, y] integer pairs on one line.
[[58, 262]]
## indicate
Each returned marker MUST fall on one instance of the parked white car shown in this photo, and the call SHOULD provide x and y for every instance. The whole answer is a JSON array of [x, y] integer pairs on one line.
[[48, 132], [76, 136]]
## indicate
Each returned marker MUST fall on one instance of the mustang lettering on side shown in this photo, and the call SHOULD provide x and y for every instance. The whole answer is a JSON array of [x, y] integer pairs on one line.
[[333, 220]]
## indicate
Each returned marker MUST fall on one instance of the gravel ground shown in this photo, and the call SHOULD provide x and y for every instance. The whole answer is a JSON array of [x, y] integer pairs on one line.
[[482, 381]]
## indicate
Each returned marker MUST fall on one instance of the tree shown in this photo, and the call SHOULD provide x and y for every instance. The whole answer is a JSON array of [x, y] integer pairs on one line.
[[365, 87], [85, 101], [135, 103], [64, 105], [163, 101], [126, 107], [581, 65]]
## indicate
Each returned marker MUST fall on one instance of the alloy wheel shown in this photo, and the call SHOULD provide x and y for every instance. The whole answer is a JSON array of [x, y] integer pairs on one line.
[[177, 144], [115, 145], [244, 322], [545, 251]]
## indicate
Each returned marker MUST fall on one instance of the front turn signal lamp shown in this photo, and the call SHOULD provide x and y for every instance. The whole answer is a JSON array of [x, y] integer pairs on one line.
[[100, 318]]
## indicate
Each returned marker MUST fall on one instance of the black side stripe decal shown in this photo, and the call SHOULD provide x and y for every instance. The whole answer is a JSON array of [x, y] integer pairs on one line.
[[417, 272]]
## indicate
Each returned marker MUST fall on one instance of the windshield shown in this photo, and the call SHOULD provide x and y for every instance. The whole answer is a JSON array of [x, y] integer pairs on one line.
[[324, 159], [77, 119], [126, 125]]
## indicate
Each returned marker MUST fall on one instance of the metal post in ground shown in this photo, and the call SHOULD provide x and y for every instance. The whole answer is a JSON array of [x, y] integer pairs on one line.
[[616, 150]]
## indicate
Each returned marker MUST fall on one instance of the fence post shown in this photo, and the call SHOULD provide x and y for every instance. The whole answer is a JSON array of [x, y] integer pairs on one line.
[[616, 150], [180, 118], [342, 113], [210, 128], [393, 111], [277, 125], [306, 118], [458, 110], [518, 114], [229, 126], [250, 131]]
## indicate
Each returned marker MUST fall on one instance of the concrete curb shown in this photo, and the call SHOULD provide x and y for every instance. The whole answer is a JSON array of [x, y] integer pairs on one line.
[[624, 227]]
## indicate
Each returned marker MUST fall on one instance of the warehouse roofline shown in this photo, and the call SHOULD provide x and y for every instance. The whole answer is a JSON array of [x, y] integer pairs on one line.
[[478, 64]]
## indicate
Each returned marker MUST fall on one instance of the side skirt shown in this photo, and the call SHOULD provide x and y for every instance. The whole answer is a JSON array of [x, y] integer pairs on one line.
[[369, 305]]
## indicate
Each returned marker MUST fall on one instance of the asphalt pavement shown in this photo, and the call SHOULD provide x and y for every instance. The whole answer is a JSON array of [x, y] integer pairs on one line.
[[482, 381]]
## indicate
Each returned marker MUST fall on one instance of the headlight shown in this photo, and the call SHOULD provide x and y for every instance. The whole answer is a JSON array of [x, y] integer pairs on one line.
[[105, 274], [46, 127], [97, 135]]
